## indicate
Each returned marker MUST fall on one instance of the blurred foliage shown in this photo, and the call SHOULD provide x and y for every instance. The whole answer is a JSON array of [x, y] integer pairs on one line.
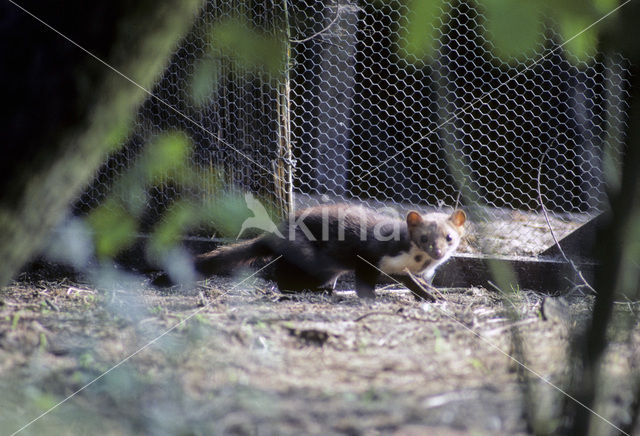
[[67, 110], [114, 228], [179, 217], [166, 157], [204, 82], [252, 50], [514, 27], [420, 29], [225, 213], [238, 47], [115, 221], [117, 134], [166, 161]]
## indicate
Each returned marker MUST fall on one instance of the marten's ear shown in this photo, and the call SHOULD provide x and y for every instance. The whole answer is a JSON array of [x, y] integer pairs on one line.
[[458, 217], [414, 219]]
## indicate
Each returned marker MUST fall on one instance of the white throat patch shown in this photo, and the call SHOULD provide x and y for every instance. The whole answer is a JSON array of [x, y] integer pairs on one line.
[[415, 260]]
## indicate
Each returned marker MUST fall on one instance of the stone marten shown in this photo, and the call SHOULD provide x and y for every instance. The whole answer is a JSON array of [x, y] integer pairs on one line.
[[320, 243]]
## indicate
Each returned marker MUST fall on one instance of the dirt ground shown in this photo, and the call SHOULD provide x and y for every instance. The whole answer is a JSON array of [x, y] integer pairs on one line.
[[239, 358]]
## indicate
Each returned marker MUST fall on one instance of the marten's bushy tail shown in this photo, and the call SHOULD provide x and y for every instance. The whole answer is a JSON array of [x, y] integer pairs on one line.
[[223, 260]]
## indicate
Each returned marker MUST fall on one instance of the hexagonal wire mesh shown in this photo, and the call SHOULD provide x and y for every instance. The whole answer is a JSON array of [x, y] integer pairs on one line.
[[367, 124]]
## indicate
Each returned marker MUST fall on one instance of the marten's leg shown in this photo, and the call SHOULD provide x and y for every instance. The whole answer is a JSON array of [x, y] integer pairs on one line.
[[366, 279], [420, 290]]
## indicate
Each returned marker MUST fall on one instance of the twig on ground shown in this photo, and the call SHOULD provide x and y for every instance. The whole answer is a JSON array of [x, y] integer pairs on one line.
[[449, 397], [546, 217], [51, 305], [366, 315], [498, 330]]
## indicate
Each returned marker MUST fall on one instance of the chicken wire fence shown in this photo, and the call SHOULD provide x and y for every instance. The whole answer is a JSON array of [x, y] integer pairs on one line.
[[350, 116]]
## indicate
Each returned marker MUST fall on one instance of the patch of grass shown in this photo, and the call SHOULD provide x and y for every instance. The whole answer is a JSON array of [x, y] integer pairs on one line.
[[86, 360], [440, 345], [157, 310], [15, 320], [478, 365], [43, 341], [44, 307]]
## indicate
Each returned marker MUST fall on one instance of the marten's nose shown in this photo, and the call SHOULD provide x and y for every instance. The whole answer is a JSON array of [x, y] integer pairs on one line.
[[435, 252]]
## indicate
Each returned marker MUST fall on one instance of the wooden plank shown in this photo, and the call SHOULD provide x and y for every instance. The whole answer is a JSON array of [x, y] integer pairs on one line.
[[542, 274], [578, 243]]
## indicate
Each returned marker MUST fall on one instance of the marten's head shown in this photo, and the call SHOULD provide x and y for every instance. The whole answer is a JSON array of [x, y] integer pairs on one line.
[[436, 234]]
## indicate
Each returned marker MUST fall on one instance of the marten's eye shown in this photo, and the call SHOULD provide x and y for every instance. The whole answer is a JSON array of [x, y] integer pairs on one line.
[[424, 239], [449, 238]]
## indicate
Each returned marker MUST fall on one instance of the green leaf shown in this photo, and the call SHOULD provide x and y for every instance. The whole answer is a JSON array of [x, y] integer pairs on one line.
[[117, 134], [44, 401], [227, 213], [421, 28], [252, 50], [177, 219], [605, 6], [14, 321], [114, 228], [204, 82], [165, 157], [514, 27], [581, 44], [167, 154]]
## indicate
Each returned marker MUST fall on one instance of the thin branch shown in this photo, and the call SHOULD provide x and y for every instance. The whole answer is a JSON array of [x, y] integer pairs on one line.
[[546, 217], [320, 31], [459, 195]]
